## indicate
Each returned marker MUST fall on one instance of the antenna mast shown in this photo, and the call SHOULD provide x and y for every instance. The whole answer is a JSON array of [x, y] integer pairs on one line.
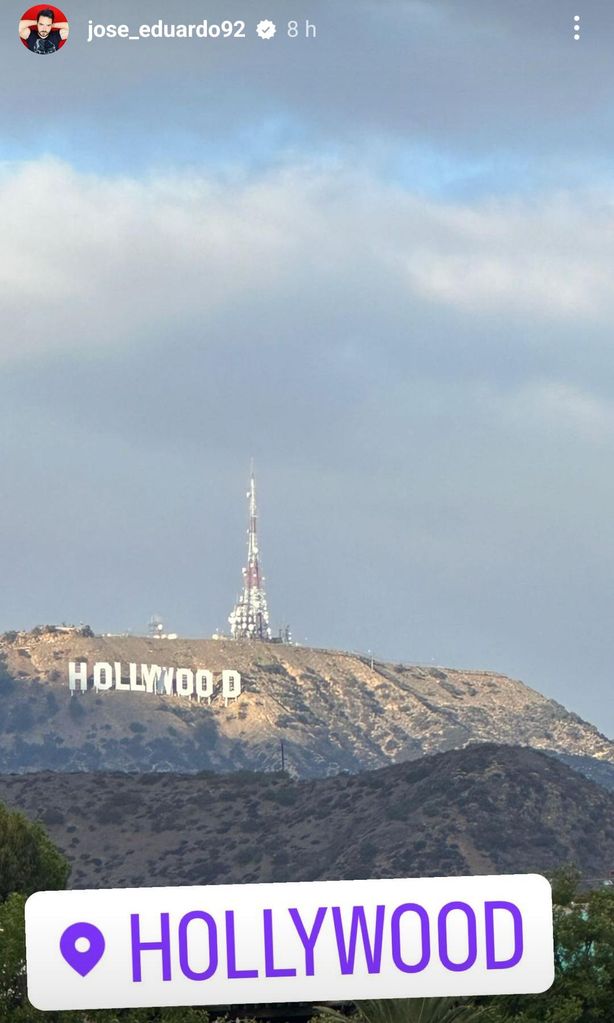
[[249, 618]]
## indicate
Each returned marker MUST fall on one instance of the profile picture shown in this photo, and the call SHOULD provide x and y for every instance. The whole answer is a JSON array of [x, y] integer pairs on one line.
[[43, 29]]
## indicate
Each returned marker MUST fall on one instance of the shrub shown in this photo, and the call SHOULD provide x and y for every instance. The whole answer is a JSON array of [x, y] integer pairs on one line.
[[76, 709], [367, 851], [22, 718], [52, 816]]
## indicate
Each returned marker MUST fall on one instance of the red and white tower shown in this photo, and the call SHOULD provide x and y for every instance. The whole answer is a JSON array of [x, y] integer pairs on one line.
[[249, 618]]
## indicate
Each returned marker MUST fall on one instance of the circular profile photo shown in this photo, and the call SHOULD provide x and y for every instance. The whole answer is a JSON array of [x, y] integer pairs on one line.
[[43, 29]]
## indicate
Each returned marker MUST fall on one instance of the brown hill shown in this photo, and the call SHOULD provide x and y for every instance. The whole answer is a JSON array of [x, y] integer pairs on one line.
[[333, 711], [485, 809]]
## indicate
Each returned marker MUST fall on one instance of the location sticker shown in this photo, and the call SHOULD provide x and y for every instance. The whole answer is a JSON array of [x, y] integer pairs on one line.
[[82, 946], [307, 941]]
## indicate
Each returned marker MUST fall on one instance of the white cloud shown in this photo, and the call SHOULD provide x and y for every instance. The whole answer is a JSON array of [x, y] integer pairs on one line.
[[557, 407], [551, 259], [88, 262]]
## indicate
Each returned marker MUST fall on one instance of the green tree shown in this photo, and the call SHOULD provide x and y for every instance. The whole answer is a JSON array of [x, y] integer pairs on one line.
[[29, 862], [583, 989], [406, 1010], [14, 1004], [12, 960]]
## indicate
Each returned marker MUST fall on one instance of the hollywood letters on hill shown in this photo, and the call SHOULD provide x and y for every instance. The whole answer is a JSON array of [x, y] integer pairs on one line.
[[192, 684]]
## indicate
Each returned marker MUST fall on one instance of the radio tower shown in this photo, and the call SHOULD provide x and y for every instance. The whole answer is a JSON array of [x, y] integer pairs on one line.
[[249, 618]]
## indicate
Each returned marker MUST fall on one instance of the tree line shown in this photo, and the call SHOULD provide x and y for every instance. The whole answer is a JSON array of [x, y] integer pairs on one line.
[[583, 990]]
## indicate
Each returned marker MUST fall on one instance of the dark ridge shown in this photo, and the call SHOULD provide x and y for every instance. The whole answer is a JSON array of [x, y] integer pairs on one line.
[[485, 809]]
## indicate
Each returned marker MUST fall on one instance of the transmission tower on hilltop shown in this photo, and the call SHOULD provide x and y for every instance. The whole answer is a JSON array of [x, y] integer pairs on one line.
[[249, 618], [155, 626]]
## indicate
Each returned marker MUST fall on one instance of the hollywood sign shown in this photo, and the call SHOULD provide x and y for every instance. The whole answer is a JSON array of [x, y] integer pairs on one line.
[[152, 678]]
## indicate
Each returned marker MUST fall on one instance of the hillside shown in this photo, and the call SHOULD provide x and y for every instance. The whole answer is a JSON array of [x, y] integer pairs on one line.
[[332, 710], [485, 809]]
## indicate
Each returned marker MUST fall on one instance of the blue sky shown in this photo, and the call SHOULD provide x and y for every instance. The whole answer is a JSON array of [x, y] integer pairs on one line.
[[379, 262]]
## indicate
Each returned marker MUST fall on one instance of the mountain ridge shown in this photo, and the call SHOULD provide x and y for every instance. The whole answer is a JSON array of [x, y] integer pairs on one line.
[[485, 809], [333, 711]]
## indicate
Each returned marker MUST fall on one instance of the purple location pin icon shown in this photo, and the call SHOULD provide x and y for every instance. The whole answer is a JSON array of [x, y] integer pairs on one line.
[[82, 960]]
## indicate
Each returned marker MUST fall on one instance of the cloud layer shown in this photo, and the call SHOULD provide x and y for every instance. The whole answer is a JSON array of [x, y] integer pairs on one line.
[[380, 263], [131, 254]]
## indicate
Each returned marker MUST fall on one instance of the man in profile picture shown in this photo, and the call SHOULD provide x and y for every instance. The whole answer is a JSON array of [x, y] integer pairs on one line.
[[44, 35]]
